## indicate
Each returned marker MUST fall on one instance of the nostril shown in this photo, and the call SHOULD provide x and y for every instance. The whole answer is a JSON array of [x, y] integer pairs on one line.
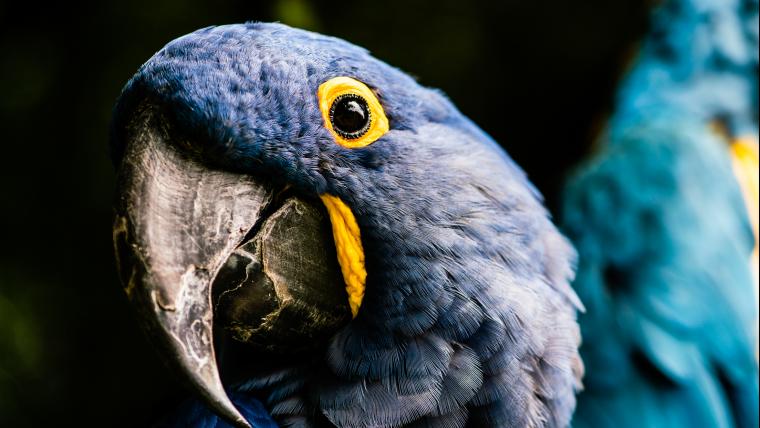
[[125, 263], [158, 299]]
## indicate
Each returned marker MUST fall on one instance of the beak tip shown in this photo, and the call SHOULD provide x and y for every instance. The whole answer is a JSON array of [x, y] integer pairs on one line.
[[217, 398], [232, 414], [242, 423]]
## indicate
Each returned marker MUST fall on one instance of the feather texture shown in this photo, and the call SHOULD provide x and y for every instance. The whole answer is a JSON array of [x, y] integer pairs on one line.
[[662, 233], [468, 316]]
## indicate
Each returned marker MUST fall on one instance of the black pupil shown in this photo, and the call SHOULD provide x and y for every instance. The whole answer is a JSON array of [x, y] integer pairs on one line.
[[350, 116]]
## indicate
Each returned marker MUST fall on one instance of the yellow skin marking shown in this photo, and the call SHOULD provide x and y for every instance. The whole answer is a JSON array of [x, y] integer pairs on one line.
[[335, 87], [746, 161], [348, 244]]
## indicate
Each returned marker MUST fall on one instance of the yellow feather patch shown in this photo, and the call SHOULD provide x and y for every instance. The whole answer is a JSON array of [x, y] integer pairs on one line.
[[348, 245], [746, 162]]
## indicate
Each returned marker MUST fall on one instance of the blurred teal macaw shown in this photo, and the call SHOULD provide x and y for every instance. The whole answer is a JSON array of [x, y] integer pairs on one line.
[[663, 233]]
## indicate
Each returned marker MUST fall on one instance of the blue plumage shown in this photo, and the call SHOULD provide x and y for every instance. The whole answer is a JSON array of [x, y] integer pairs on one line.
[[468, 316], [194, 413], [662, 233]]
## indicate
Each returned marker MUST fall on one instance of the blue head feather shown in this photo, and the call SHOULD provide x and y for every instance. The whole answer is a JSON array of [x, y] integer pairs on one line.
[[699, 61], [467, 313]]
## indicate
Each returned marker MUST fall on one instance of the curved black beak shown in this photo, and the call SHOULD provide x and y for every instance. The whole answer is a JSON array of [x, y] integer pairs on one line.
[[181, 227], [176, 224]]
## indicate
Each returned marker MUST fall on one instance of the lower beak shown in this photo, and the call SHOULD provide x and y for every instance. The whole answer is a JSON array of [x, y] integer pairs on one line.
[[178, 223]]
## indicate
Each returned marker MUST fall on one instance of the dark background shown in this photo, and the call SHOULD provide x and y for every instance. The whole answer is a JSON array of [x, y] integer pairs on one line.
[[537, 75]]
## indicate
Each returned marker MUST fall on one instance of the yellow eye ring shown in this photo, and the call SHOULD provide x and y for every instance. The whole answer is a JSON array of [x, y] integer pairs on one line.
[[351, 112]]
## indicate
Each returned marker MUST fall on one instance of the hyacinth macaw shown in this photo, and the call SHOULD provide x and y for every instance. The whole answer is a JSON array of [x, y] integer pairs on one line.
[[384, 261], [662, 232]]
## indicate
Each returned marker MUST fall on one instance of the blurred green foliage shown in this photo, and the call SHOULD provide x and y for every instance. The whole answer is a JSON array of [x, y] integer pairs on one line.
[[20, 347], [296, 13], [532, 74]]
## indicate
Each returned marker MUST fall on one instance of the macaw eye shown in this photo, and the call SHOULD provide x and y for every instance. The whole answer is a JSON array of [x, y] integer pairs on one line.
[[351, 112], [350, 116]]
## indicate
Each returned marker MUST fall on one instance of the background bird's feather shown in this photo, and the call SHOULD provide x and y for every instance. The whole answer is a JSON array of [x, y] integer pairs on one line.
[[662, 230]]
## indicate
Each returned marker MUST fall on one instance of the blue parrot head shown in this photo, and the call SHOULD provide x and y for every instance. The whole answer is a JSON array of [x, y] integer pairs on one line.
[[441, 239], [247, 97]]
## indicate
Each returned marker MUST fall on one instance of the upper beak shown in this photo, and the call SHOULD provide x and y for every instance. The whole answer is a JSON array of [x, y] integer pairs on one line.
[[177, 224]]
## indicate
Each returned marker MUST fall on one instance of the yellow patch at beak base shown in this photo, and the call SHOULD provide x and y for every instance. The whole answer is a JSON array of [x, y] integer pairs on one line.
[[348, 245]]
